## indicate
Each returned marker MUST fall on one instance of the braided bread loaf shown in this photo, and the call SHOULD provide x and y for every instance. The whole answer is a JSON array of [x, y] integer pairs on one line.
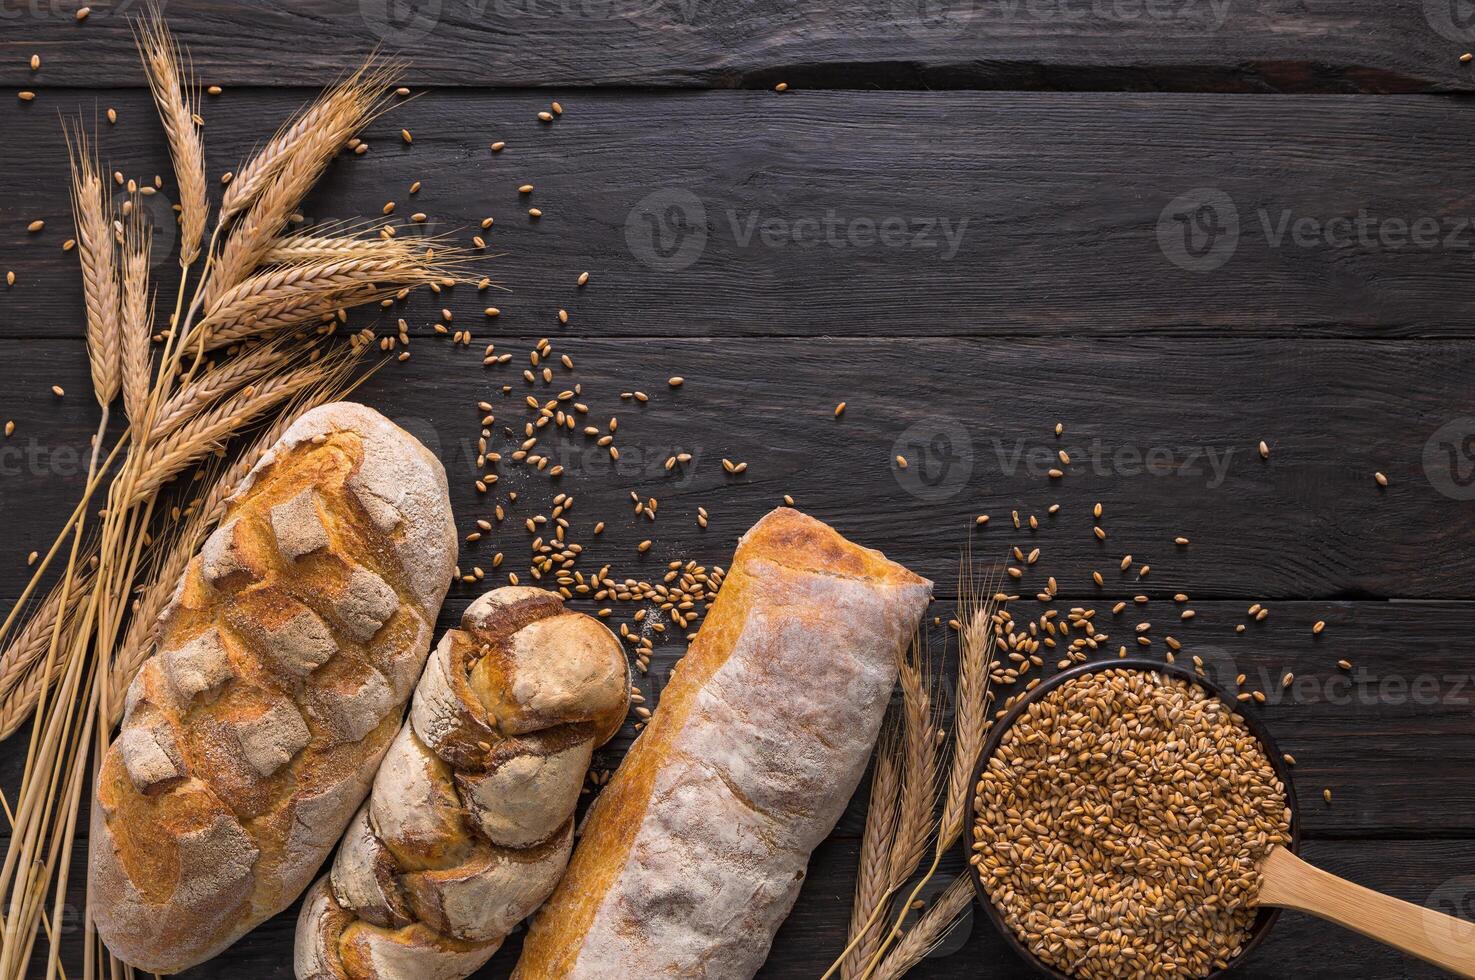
[[285, 658], [470, 822]]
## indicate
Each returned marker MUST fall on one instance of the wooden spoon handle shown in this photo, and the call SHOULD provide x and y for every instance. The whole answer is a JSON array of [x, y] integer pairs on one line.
[[1440, 939]]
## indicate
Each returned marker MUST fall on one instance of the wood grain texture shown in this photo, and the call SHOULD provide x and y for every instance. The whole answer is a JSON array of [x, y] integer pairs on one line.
[[1300, 946], [1382, 737], [1290, 882], [1161, 433], [1169, 275], [843, 213], [1363, 46]]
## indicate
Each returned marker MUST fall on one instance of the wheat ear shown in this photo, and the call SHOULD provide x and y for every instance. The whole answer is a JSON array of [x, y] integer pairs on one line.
[[921, 764], [347, 108], [30, 643], [252, 177], [92, 214], [971, 704], [298, 249], [928, 931], [217, 382], [138, 316], [205, 432], [875, 848], [24, 673], [289, 295], [174, 95]]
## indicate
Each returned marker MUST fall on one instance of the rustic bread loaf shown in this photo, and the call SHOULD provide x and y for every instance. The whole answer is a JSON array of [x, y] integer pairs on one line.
[[470, 821], [285, 659], [695, 851]]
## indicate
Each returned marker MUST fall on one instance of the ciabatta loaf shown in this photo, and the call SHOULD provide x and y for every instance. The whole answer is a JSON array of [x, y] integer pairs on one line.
[[285, 659], [694, 852], [470, 821]]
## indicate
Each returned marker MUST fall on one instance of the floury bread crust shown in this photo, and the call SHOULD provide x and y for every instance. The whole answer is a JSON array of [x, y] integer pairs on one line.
[[285, 659], [471, 818], [694, 852]]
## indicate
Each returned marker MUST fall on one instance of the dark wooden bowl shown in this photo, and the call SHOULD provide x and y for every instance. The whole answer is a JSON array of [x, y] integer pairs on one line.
[[1266, 917]]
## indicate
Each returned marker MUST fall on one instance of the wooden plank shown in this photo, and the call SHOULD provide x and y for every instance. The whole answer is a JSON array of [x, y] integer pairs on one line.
[[1380, 736], [1162, 433], [843, 213], [1363, 45], [1299, 946]]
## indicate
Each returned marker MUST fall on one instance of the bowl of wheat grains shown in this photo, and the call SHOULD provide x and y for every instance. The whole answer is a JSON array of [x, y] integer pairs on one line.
[[1117, 821]]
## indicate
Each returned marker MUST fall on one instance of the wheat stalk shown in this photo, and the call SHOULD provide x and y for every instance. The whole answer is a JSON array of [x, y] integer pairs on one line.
[[216, 383], [295, 249], [970, 706], [927, 931], [67, 664], [30, 645], [138, 316], [870, 953], [917, 765], [253, 176], [205, 432], [143, 628], [290, 295], [345, 109], [175, 96], [92, 214], [875, 847], [921, 762]]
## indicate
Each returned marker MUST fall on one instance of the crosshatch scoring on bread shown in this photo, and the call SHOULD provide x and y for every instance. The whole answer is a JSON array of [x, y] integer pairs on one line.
[[293, 640]]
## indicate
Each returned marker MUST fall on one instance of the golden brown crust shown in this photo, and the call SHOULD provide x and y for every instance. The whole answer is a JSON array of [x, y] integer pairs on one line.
[[691, 855], [249, 740], [471, 819]]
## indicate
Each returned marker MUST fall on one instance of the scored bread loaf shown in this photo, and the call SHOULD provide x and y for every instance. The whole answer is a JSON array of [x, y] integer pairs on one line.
[[284, 661], [694, 852], [470, 821]]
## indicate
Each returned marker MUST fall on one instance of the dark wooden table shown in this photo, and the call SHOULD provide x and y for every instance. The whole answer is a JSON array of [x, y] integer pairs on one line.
[[1178, 227]]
